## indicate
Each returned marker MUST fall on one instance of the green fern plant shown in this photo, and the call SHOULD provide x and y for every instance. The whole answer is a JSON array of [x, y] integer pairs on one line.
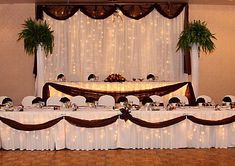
[[196, 33], [36, 33]]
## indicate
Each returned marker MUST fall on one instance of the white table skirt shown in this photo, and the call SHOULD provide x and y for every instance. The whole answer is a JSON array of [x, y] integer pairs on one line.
[[119, 87], [120, 134], [181, 135], [47, 139]]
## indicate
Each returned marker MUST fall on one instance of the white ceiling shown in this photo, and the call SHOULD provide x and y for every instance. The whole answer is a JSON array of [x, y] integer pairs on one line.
[[211, 2]]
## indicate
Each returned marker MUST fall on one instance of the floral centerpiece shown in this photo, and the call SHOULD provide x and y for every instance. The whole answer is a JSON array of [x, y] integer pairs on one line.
[[115, 78]]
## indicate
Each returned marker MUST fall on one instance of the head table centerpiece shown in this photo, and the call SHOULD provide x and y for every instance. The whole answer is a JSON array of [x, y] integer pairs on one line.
[[115, 78]]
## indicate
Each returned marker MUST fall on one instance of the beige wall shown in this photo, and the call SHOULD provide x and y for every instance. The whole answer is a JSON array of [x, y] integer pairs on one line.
[[217, 74], [217, 70], [15, 66]]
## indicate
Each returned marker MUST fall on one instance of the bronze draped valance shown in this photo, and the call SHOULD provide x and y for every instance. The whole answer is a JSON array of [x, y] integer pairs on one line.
[[134, 11]]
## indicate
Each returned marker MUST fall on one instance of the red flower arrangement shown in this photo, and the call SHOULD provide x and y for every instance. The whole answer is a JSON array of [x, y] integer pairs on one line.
[[115, 78]]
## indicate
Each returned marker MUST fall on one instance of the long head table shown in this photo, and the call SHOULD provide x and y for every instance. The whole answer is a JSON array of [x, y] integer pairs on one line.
[[116, 89], [197, 128]]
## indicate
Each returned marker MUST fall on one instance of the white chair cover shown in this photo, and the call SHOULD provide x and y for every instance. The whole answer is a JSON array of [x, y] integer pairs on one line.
[[133, 99], [54, 101], [183, 99], [231, 97], [206, 98], [79, 100], [156, 98], [27, 101], [106, 100], [2, 98]]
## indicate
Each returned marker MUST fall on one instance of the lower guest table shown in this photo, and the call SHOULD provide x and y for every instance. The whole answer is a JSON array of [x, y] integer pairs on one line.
[[119, 134]]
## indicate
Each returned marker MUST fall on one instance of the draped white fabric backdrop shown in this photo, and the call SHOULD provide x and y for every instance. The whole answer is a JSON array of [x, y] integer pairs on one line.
[[122, 45]]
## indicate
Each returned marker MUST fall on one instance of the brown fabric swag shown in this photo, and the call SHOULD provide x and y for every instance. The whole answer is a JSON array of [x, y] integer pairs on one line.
[[161, 91], [29, 127], [163, 124], [127, 116], [134, 11], [211, 122], [104, 122], [91, 123]]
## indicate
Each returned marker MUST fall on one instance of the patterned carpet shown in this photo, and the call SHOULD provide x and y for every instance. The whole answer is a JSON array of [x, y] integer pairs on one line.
[[156, 157]]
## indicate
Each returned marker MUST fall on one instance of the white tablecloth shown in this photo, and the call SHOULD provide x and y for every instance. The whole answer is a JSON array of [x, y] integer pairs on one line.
[[119, 87], [120, 134], [181, 135], [48, 139]]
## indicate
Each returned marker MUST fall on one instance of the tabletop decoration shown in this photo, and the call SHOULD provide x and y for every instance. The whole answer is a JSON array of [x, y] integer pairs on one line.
[[155, 106], [115, 78], [217, 107], [125, 112], [8, 104], [232, 105], [74, 107], [171, 106]]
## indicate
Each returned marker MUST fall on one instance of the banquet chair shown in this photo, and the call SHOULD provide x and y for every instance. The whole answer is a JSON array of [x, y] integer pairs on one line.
[[64, 100], [2, 98], [7, 100], [135, 100], [54, 101], [206, 98], [38, 100], [200, 100], [90, 99], [146, 99], [229, 99], [150, 77], [91, 77], [79, 100], [106, 100], [157, 99], [122, 99], [61, 78], [27, 101], [181, 99], [174, 100]]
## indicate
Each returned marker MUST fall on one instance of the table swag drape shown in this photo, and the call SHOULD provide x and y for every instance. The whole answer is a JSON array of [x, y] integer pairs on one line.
[[91, 123], [161, 91], [29, 127], [125, 115]]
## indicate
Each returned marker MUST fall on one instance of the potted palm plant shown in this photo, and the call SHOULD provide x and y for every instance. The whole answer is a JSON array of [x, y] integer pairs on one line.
[[38, 39], [196, 36]]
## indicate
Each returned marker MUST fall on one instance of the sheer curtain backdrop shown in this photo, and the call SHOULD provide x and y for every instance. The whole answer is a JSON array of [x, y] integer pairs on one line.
[[117, 44]]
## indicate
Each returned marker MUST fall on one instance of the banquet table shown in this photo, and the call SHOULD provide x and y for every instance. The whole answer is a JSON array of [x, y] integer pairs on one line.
[[119, 134], [117, 89]]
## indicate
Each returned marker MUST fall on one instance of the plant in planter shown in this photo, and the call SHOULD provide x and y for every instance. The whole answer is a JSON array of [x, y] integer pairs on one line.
[[196, 36], [196, 33], [37, 36], [37, 33]]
